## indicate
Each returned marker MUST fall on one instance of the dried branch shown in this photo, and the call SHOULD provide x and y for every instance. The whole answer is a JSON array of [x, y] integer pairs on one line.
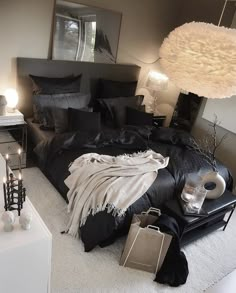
[[221, 140], [208, 145], [206, 154]]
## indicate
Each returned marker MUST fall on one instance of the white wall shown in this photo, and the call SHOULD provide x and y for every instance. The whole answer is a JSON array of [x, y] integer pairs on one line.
[[25, 27]]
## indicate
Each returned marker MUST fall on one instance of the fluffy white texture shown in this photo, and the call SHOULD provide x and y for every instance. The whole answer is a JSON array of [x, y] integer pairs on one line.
[[201, 58]]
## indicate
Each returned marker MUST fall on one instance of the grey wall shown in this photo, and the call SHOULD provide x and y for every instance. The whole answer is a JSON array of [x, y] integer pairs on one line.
[[24, 31], [227, 151], [25, 28], [201, 10]]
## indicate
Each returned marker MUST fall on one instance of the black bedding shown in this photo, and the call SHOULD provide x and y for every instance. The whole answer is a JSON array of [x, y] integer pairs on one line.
[[102, 228]]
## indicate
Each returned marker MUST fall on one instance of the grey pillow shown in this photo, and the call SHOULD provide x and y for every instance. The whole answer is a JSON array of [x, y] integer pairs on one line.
[[47, 120], [63, 101], [116, 107]]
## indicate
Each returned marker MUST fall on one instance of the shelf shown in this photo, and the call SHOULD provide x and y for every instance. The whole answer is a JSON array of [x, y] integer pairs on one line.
[[193, 227], [200, 232], [206, 220]]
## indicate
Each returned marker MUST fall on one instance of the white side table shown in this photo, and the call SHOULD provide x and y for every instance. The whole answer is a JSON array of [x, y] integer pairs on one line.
[[25, 256]]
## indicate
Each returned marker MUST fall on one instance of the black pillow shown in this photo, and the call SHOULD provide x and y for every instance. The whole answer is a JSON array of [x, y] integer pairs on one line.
[[111, 89], [84, 121], [60, 117], [64, 101], [137, 117], [55, 85], [116, 108]]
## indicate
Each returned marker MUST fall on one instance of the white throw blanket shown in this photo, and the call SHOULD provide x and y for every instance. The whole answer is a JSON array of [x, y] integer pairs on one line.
[[99, 182]]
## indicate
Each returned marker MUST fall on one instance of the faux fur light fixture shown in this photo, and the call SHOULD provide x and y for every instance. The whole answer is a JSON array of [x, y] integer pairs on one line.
[[201, 58]]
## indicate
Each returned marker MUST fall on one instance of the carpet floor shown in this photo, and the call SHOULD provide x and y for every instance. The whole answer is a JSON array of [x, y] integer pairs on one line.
[[74, 271]]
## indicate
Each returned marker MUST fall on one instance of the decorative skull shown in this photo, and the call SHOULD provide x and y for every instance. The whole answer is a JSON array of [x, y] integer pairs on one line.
[[25, 220], [8, 219]]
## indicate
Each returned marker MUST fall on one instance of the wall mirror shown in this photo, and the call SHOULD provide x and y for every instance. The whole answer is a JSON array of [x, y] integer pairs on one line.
[[85, 33]]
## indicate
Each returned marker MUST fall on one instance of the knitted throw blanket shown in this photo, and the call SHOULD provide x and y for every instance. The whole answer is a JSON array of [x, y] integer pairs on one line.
[[99, 182]]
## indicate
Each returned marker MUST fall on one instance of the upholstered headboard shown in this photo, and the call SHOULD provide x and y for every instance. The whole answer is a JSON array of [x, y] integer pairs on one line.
[[91, 72]]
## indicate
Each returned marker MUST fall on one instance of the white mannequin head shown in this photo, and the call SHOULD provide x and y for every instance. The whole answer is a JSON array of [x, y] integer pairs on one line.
[[25, 220], [8, 219]]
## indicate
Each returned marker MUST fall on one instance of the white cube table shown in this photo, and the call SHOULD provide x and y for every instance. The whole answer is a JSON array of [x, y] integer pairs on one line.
[[25, 256]]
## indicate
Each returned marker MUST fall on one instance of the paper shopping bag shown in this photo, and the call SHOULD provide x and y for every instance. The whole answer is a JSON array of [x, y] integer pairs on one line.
[[146, 246]]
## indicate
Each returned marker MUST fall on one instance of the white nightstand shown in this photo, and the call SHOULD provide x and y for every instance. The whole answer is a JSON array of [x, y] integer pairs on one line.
[[13, 135], [25, 256]]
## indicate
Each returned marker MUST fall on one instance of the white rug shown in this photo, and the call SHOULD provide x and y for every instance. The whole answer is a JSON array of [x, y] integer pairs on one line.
[[74, 271]]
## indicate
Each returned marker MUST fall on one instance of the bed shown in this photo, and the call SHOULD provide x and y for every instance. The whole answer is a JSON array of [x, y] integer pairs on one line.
[[56, 152]]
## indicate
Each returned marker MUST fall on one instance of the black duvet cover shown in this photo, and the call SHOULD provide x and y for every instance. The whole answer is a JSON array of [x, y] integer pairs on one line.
[[102, 228]]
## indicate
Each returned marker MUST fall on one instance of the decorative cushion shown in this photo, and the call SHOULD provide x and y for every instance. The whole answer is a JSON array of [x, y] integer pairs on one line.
[[84, 121], [64, 101], [116, 108], [137, 117], [111, 89], [55, 85], [61, 118]]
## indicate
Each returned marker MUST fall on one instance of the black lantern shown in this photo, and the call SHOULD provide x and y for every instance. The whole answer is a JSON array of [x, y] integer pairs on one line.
[[13, 190]]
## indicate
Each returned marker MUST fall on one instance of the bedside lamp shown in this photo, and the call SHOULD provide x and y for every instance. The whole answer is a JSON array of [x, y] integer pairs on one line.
[[157, 81], [12, 99]]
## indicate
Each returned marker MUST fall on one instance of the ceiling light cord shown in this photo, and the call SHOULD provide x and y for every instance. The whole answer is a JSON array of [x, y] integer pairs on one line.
[[222, 13]]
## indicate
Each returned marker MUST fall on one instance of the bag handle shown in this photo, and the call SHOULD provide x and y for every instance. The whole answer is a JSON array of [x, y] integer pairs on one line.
[[159, 257], [128, 254], [162, 242], [154, 228], [152, 210]]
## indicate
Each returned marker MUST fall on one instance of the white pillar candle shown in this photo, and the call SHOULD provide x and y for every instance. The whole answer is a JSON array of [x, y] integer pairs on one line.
[[19, 154], [7, 171]]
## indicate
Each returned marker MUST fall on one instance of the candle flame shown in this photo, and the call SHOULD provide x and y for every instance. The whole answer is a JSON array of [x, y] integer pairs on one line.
[[20, 176], [19, 151], [4, 180], [7, 156]]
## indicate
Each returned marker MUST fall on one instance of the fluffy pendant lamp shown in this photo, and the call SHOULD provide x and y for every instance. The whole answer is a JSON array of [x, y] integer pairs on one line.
[[201, 58]]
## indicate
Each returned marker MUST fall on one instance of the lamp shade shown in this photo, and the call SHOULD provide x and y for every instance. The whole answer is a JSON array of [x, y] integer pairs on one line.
[[157, 81], [11, 97], [201, 58]]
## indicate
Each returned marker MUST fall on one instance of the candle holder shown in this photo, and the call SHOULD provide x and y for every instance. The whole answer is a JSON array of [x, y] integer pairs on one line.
[[14, 193]]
